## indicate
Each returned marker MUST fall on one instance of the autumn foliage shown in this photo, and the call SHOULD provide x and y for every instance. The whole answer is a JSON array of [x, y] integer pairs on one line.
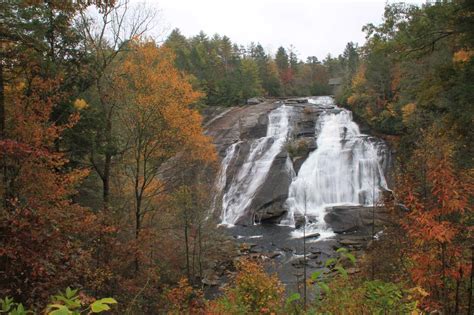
[[54, 121], [43, 232], [185, 299], [439, 202], [253, 292]]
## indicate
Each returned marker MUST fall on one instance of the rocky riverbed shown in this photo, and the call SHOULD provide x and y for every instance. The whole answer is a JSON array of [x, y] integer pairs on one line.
[[283, 254]]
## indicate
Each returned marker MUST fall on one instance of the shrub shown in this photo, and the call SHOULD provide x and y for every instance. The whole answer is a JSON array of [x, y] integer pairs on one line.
[[367, 297], [297, 148], [253, 292], [184, 299]]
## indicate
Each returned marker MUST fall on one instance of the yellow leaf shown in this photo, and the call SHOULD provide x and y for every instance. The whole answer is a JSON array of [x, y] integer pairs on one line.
[[80, 104], [462, 56], [407, 111]]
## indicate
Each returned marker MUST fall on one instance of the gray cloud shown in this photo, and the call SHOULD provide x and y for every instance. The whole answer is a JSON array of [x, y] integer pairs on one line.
[[313, 27]]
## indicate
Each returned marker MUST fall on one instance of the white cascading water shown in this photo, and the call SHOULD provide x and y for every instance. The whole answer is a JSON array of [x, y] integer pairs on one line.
[[345, 169], [254, 170], [222, 175]]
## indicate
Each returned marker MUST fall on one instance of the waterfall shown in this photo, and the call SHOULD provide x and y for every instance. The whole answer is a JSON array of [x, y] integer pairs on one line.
[[222, 175], [345, 169], [254, 170]]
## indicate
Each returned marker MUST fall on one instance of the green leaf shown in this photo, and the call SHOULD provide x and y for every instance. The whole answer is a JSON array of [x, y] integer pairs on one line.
[[294, 297], [108, 301], [59, 309], [99, 307], [71, 303], [102, 305], [6, 304], [315, 275], [330, 261], [342, 250], [341, 270], [324, 286], [70, 293], [351, 258]]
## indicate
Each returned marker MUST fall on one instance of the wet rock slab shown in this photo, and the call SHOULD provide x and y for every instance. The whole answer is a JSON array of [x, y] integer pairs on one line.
[[350, 219]]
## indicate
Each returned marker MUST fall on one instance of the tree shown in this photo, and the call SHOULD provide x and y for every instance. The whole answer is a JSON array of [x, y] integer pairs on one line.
[[250, 84], [438, 200], [158, 124], [286, 72], [408, 84], [107, 40], [351, 59], [272, 82], [180, 46], [281, 60], [44, 233], [293, 59]]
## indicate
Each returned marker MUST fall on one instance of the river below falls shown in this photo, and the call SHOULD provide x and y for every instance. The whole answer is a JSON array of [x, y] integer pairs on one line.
[[282, 252]]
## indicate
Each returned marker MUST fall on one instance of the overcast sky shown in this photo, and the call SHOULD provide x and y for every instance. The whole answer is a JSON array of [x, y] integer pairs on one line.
[[313, 27]]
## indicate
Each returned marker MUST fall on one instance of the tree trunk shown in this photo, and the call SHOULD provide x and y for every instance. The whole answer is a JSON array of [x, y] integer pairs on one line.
[[2, 136], [469, 311], [443, 273], [186, 241], [194, 256], [458, 283], [200, 251], [137, 231], [107, 160], [106, 181], [104, 171], [304, 253], [138, 208], [2, 104]]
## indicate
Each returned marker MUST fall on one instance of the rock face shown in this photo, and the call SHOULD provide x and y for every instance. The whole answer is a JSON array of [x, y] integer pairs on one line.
[[238, 123], [347, 219], [269, 202], [242, 127], [247, 124]]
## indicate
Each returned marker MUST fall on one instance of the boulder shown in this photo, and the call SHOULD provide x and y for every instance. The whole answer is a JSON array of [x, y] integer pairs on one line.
[[300, 220], [299, 262], [315, 250], [210, 278], [350, 242], [246, 247], [347, 219], [272, 255], [313, 235], [254, 101], [296, 101]]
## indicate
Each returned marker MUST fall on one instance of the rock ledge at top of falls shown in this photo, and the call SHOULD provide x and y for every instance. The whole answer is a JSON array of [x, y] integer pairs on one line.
[[232, 124]]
